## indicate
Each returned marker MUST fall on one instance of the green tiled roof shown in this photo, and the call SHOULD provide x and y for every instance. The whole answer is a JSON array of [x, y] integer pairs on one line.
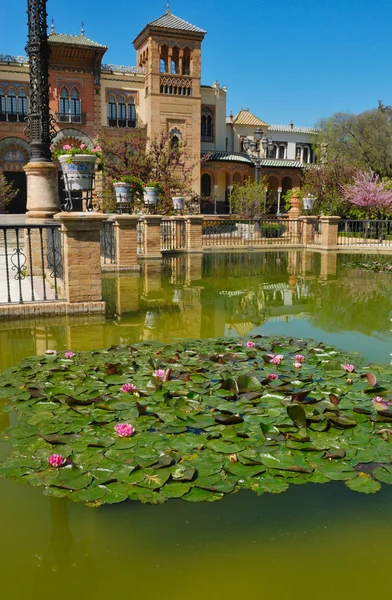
[[276, 162], [170, 21], [77, 40], [221, 156], [292, 129]]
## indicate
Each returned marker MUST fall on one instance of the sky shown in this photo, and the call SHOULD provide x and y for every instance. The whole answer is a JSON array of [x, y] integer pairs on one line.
[[283, 59]]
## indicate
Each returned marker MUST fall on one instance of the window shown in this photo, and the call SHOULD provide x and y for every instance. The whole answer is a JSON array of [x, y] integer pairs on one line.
[[13, 104], [75, 106], [186, 63], [70, 106], [174, 142], [282, 151], [121, 111], [207, 125], [64, 102]]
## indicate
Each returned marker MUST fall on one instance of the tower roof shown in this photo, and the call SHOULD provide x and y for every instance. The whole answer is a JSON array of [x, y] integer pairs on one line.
[[76, 40], [245, 117], [170, 21]]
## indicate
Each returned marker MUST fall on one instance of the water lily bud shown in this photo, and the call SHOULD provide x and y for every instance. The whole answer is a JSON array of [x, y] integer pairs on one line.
[[349, 381], [233, 458]]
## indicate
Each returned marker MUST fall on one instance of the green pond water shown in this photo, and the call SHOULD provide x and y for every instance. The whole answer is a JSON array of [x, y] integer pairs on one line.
[[313, 540]]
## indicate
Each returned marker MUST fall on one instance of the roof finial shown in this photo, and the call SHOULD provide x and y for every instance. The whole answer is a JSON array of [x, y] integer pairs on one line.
[[168, 6], [52, 27], [82, 30]]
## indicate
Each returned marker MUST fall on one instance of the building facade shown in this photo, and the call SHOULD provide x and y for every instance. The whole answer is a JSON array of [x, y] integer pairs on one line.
[[161, 94]]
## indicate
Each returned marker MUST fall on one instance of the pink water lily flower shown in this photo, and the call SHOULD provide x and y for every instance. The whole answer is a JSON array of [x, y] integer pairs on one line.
[[52, 352], [128, 387], [349, 368], [272, 376], [69, 354], [250, 344], [297, 365], [56, 460], [299, 358], [124, 429], [276, 360], [380, 402], [159, 373]]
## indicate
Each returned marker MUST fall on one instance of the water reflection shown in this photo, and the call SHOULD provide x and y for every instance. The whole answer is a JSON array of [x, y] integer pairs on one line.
[[293, 293]]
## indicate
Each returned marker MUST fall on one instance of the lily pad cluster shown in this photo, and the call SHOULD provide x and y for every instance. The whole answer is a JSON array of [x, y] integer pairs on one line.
[[374, 265], [197, 420]]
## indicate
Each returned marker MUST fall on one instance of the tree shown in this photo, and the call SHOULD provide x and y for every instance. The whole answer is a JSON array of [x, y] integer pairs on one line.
[[150, 160], [7, 192], [370, 194], [326, 182], [364, 140], [249, 199]]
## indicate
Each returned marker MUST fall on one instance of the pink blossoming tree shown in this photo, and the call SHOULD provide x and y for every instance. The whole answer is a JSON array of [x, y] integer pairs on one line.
[[370, 194]]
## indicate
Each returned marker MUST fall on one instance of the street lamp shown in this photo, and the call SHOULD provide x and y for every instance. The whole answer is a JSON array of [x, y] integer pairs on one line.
[[278, 213], [257, 145], [230, 188], [216, 188]]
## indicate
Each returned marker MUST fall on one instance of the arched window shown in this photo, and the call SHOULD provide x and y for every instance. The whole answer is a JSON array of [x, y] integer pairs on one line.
[[75, 106], [207, 125], [121, 112], [131, 113], [186, 63], [11, 105], [112, 111], [174, 142], [22, 104], [64, 105], [164, 60], [3, 107]]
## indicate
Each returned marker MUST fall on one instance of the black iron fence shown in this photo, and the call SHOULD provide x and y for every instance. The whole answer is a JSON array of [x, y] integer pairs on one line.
[[364, 233], [108, 243], [251, 232], [31, 263], [173, 234]]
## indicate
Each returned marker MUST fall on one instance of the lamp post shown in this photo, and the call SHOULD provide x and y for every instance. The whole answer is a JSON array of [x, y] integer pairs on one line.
[[230, 188], [257, 145], [41, 173], [278, 213], [216, 188]]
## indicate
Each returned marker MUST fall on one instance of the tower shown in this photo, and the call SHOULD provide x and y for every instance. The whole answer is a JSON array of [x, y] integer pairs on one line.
[[169, 49]]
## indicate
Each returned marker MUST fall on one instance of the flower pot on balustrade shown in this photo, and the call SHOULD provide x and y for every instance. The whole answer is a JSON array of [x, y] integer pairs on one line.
[[308, 203], [123, 192], [178, 203], [150, 196], [78, 171]]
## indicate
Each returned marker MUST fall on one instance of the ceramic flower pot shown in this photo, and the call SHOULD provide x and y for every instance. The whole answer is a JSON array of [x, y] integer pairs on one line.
[[308, 203], [78, 171], [123, 191], [178, 202], [150, 196]]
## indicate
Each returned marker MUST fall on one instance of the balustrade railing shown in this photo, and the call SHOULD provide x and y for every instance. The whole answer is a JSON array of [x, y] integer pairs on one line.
[[355, 232], [31, 264], [250, 232], [173, 234], [108, 243]]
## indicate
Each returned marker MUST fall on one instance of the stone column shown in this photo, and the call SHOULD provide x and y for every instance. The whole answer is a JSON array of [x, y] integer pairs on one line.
[[42, 190], [308, 228], [329, 231], [125, 232], [81, 234], [194, 229], [151, 227]]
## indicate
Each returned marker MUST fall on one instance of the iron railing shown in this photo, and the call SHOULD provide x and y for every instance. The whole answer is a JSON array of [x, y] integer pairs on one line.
[[251, 232], [68, 117], [31, 264], [13, 117], [364, 233], [173, 234], [140, 237], [108, 243]]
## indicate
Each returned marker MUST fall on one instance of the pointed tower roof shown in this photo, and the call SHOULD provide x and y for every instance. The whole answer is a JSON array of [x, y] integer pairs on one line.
[[245, 117], [75, 40], [170, 21], [167, 23]]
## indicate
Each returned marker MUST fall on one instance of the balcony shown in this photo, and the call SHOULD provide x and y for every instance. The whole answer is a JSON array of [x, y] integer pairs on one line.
[[13, 117], [130, 123], [71, 118]]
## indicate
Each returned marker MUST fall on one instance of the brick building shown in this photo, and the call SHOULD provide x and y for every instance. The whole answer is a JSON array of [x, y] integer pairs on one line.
[[162, 93]]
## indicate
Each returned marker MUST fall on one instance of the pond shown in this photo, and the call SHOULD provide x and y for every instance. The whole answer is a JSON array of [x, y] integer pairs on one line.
[[311, 539]]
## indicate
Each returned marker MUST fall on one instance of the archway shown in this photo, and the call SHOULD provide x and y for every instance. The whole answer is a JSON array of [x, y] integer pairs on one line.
[[272, 194], [14, 154]]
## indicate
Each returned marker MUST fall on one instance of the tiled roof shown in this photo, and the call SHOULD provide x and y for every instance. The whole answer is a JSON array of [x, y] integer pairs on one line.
[[245, 117], [78, 40], [221, 156], [170, 21], [288, 129], [276, 162]]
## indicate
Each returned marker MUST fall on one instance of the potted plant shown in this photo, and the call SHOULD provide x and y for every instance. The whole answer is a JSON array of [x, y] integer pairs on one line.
[[309, 202], [151, 192], [178, 202], [126, 187], [78, 165]]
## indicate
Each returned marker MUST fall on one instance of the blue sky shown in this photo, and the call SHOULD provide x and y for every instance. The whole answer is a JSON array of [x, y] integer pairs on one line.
[[282, 59]]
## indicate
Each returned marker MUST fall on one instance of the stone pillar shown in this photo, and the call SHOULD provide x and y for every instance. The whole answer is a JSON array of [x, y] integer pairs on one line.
[[125, 232], [329, 231], [308, 229], [194, 229], [151, 226], [81, 256], [42, 190]]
